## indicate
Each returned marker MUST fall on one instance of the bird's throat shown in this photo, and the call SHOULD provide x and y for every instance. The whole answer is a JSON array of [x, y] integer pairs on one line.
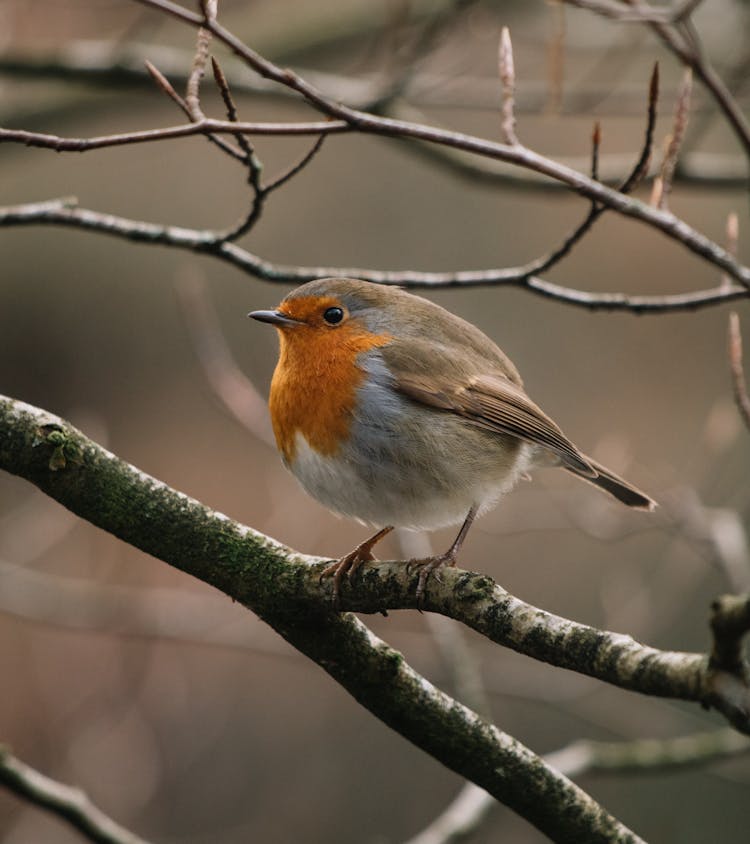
[[314, 387]]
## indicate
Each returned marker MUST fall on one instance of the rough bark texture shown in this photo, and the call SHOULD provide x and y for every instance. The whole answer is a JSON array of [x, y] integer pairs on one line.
[[282, 588]]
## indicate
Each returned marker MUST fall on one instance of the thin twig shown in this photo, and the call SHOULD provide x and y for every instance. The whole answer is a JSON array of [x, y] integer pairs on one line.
[[249, 158], [283, 178], [704, 71], [184, 130], [70, 804], [663, 221], [198, 70], [226, 95], [667, 26], [254, 165], [596, 142], [166, 86], [663, 183], [472, 804], [60, 212], [630, 183], [732, 241], [640, 755], [508, 83], [365, 122]]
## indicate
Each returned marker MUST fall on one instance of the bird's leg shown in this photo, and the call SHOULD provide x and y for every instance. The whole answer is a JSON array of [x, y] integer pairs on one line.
[[430, 565], [349, 564]]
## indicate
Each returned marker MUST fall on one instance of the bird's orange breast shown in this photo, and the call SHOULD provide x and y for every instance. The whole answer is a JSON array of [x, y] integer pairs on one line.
[[314, 386]]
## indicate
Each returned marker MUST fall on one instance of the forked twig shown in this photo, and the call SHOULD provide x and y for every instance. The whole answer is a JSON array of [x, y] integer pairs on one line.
[[65, 212], [630, 183], [226, 95], [166, 86]]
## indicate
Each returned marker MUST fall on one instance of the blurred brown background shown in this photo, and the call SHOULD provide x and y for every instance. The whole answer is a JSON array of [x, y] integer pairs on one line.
[[181, 714]]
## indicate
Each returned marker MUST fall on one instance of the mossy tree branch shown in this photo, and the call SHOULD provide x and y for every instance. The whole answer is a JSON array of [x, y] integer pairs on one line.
[[283, 588]]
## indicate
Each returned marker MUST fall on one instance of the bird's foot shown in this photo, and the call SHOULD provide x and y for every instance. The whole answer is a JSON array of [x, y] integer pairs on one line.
[[430, 567], [350, 564]]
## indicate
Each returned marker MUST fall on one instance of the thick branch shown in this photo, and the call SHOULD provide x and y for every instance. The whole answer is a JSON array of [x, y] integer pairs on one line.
[[282, 588]]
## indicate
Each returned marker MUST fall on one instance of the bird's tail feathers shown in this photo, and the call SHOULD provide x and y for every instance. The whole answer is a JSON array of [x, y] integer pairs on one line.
[[615, 486]]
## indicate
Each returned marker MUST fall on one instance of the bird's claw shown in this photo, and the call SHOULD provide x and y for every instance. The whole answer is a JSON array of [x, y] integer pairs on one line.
[[350, 564], [429, 567]]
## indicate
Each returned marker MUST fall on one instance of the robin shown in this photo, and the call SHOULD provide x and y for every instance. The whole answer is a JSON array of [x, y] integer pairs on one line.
[[390, 409]]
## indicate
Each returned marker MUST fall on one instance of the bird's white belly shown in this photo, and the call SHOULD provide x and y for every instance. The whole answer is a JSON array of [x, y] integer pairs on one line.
[[422, 494]]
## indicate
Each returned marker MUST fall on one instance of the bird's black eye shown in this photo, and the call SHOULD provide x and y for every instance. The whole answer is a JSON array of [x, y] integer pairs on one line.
[[333, 316]]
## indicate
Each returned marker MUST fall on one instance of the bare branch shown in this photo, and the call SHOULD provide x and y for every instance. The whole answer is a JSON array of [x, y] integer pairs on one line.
[[596, 142], [166, 86], [102, 62], [460, 819], [663, 184], [198, 70], [185, 130], [350, 119], [631, 182], [472, 804], [618, 757], [664, 221], [508, 82], [732, 240], [283, 178], [248, 157], [61, 212], [641, 168], [365, 122], [687, 49], [226, 95], [70, 804]]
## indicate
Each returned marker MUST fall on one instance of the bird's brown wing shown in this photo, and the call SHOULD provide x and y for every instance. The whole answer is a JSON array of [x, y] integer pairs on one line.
[[456, 381], [494, 403]]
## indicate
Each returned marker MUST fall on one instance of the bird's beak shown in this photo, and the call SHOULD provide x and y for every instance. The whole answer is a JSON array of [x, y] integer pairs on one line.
[[275, 318]]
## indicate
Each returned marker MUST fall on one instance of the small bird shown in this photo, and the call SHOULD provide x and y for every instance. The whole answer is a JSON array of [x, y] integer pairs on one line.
[[392, 410]]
